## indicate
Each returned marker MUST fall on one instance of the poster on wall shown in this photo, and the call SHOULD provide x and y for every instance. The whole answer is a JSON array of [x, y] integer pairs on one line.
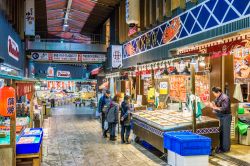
[[50, 72], [242, 65], [202, 88], [30, 17], [163, 88], [178, 87], [116, 56]]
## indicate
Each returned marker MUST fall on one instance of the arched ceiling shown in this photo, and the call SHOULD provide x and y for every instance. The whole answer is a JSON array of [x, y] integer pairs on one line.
[[84, 17]]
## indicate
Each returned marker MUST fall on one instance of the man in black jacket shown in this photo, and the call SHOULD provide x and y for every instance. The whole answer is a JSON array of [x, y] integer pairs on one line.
[[102, 102]]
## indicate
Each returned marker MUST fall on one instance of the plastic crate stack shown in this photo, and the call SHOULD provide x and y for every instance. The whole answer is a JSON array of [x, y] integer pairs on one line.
[[29, 141], [187, 149]]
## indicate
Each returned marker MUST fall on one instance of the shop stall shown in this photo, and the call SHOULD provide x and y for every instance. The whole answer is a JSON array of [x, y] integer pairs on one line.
[[170, 101]]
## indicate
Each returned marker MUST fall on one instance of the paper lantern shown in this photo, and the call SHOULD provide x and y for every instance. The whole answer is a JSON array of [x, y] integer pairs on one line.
[[132, 11], [7, 101]]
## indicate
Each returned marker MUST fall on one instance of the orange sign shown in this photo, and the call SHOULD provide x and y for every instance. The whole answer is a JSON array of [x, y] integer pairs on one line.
[[7, 101]]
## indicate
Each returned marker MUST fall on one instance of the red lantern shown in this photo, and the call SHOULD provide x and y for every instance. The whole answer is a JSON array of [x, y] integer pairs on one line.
[[7, 101]]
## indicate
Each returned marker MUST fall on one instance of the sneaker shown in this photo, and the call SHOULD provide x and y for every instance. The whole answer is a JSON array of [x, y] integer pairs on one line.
[[218, 150]]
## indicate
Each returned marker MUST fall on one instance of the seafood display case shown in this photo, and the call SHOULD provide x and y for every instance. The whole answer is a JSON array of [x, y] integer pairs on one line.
[[150, 126]]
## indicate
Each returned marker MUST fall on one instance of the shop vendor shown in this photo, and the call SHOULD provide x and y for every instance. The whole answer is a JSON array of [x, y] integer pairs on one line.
[[221, 107]]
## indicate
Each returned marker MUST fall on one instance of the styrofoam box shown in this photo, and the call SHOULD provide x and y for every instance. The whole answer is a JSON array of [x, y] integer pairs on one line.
[[191, 160], [245, 139], [171, 158]]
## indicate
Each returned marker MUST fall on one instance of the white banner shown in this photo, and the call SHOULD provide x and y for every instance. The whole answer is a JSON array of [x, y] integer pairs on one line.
[[67, 57], [30, 18], [116, 56], [93, 58], [63, 74]]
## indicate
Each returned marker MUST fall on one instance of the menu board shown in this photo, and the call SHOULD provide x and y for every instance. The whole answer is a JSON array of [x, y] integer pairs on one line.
[[178, 87], [202, 87], [241, 65]]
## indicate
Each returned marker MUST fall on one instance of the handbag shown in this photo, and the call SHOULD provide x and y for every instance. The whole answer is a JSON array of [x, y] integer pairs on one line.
[[106, 125]]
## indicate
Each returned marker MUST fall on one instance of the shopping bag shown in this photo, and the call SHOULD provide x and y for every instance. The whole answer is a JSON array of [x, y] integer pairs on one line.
[[106, 125]]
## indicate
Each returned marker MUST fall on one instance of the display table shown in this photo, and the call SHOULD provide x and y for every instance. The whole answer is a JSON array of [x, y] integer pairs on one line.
[[36, 158], [150, 126]]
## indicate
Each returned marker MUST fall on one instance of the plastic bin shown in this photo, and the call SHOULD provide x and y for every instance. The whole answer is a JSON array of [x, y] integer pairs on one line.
[[37, 132], [28, 148], [187, 144], [167, 138]]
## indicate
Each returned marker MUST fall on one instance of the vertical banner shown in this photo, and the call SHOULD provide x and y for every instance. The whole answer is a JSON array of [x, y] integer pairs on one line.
[[30, 18], [31, 70], [241, 65], [116, 56]]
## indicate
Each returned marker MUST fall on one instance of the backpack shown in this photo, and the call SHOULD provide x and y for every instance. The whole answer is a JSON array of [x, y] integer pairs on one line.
[[111, 115]]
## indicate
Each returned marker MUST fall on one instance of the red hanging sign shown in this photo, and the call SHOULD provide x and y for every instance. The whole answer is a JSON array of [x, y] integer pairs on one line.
[[7, 101]]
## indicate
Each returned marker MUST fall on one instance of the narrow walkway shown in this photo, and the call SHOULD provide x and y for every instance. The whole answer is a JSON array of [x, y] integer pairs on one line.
[[73, 138]]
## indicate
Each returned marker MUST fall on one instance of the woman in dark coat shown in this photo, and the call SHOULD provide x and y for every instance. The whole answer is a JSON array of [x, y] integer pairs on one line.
[[125, 120]]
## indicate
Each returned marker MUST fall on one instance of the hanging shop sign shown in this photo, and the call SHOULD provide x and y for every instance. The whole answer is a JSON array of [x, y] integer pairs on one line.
[[50, 72], [67, 57], [24, 88], [8, 101], [13, 49], [30, 18], [63, 74], [218, 48], [132, 11], [145, 74], [201, 18], [116, 56], [241, 65], [163, 88], [158, 73]]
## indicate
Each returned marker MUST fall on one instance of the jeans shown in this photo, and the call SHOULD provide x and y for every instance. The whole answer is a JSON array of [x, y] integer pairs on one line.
[[225, 128], [112, 127], [125, 131]]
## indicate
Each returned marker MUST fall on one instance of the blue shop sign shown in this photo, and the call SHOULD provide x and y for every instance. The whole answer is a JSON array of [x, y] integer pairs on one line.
[[11, 47], [208, 15]]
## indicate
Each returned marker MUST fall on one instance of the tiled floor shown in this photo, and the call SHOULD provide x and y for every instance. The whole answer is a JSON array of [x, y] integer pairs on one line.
[[73, 138]]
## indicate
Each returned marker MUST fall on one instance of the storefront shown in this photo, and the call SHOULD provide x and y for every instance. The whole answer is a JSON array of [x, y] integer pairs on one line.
[[16, 99], [184, 55]]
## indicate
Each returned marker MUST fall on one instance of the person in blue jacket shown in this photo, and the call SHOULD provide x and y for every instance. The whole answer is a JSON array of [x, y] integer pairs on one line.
[[125, 120], [102, 102]]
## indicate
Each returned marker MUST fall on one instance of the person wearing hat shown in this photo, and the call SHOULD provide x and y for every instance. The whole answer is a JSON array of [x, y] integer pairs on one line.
[[102, 102], [125, 119]]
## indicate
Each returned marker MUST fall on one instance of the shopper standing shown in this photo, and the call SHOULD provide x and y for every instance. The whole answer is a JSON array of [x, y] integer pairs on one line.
[[52, 98], [102, 102], [112, 117], [222, 108], [125, 120]]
